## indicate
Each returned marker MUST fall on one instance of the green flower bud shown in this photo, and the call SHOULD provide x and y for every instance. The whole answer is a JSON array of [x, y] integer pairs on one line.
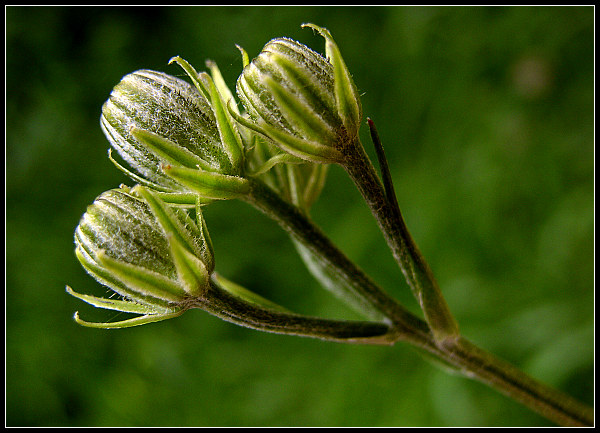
[[307, 104], [154, 120], [160, 261], [156, 257]]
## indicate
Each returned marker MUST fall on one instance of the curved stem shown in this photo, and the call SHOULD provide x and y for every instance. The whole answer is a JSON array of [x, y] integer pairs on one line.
[[299, 226], [457, 352], [389, 218], [502, 376], [219, 302]]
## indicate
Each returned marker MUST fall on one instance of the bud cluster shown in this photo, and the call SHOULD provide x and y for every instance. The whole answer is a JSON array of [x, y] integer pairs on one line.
[[187, 144]]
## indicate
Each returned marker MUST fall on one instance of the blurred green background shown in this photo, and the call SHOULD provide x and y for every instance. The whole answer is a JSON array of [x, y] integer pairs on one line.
[[487, 119]]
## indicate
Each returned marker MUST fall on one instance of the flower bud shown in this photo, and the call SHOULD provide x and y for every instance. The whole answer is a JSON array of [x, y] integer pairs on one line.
[[156, 257], [160, 261], [154, 120], [307, 104]]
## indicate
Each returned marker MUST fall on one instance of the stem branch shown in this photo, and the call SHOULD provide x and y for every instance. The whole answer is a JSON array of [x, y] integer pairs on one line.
[[299, 226], [383, 205], [457, 352], [500, 375]]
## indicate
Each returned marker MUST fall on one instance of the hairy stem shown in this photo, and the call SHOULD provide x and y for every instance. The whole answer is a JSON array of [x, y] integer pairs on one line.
[[456, 352], [220, 302], [500, 375], [300, 227], [416, 271]]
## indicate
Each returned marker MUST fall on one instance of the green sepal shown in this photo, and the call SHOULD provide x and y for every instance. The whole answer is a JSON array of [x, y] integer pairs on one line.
[[170, 151], [138, 179], [174, 198], [167, 219], [128, 323], [300, 147], [208, 254], [191, 272], [180, 199], [281, 158], [142, 280], [189, 69], [113, 304], [207, 184], [346, 95], [245, 57], [230, 137], [219, 81]]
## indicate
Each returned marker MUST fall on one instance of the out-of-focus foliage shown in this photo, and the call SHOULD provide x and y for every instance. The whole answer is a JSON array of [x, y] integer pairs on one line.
[[487, 118]]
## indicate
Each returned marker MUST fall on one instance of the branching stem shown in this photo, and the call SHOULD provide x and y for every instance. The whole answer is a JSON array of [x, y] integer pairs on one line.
[[456, 352], [384, 208]]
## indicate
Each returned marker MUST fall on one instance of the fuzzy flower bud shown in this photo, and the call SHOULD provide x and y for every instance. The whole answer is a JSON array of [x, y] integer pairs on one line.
[[307, 104], [160, 125], [157, 258], [160, 261]]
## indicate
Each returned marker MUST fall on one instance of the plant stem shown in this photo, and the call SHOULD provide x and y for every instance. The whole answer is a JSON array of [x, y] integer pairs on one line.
[[299, 226], [457, 352], [478, 364], [218, 301], [384, 208]]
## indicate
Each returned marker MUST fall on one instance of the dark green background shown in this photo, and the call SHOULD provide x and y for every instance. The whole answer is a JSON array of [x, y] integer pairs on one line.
[[487, 118]]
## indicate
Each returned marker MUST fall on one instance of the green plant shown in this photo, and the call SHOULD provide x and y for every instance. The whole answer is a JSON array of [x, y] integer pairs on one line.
[[188, 145]]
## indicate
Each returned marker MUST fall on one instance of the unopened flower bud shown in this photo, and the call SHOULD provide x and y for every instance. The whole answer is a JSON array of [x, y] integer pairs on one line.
[[157, 121], [160, 261], [156, 257], [305, 103]]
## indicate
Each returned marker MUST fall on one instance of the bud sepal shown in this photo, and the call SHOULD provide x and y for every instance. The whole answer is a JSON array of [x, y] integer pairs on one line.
[[155, 120], [147, 314], [156, 257], [306, 104], [208, 185]]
